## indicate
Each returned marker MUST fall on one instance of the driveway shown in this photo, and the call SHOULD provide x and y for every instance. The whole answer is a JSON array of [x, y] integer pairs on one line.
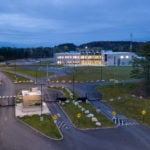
[[17, 136]]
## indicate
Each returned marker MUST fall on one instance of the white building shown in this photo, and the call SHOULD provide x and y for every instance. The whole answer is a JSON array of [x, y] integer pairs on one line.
[[31, 98], [92, 58], [117, 58]]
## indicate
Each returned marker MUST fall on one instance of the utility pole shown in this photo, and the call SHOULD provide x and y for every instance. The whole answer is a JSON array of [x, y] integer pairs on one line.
[[36, 76], [101, 71], [47, 73], [131, 39], [41, 86], [73, 79]]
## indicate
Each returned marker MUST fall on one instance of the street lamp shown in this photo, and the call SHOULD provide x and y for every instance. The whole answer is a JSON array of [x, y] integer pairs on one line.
[[47, 73], [36, 76], [41, 117], [101, 72], [15, 69], [73, 79]]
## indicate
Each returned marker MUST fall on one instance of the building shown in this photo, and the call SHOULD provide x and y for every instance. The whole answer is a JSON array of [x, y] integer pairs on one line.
[[95, 58], [80, 58], [31, 98], [117, 58]]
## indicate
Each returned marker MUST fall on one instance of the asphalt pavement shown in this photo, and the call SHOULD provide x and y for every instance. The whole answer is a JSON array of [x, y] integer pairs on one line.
[[16, 136]]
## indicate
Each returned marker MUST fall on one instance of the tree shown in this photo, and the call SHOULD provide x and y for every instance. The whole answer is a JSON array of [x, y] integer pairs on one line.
[[141, 67]]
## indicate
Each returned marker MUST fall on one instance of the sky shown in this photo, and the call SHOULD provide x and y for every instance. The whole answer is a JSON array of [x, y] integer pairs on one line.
[[33, 23]]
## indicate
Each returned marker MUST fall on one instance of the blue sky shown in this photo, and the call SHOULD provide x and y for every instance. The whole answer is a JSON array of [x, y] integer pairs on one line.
[[34, 23]]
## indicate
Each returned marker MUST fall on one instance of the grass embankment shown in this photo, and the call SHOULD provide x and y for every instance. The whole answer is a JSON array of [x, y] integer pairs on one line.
[[83, 121], [16, 78], [46, 126], [121, 98], [96, 73]]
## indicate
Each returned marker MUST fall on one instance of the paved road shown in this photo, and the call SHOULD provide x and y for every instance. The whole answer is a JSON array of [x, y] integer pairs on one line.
[[15, 136], [119, 119]]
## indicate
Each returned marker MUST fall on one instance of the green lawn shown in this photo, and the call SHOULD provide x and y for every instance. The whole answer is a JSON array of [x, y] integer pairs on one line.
[[17, 78], [46, 126], [31, 72], [84, 121], [124, 102], [97, 73]]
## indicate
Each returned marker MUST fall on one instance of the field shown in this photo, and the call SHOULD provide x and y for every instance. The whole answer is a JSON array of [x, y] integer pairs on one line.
[[30, 72], [121, 98], [96, 73], [16, 78]]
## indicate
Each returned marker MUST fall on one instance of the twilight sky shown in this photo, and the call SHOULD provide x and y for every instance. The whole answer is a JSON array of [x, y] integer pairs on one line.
[[32, 23]]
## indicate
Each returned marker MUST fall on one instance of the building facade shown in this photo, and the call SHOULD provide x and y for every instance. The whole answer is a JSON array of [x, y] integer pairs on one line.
[[95, 58], [31, 98], [117, 58]]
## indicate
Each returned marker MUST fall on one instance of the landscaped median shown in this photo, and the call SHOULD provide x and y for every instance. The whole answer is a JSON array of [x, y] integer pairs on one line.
[[47, 126], [37, 117], [127, 99], [82, 114]]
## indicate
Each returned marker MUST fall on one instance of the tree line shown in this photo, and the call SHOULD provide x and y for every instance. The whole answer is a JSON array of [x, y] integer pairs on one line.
[[9, 53]]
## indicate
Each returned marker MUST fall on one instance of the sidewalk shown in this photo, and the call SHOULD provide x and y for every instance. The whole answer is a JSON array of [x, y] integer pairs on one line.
[[20, 111]]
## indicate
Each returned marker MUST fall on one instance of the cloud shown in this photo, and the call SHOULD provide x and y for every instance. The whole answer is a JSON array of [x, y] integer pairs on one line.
[[58, 21]]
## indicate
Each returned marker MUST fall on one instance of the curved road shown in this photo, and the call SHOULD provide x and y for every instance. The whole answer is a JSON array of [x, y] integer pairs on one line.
[[16, 136]]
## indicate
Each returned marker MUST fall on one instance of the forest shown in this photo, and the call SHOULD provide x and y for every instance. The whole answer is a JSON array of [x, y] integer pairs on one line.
[[10, 53]]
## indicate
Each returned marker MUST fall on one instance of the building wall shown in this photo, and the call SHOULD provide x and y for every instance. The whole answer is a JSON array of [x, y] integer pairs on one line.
[[118, 58], [78, 58], [105, 58], [31, 100]]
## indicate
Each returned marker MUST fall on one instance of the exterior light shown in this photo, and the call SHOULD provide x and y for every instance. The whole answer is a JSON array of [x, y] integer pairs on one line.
[[121, 57], [127, 57]]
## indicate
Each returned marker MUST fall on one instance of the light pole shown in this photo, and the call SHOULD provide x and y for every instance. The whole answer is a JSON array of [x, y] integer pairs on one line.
[[41, 117], [36, 76], [15, 69], [47, 73], [101, 72], [73, 79]]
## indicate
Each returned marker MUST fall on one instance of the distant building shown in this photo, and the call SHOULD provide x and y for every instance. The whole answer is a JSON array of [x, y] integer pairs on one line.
[[117, 58], [31, 98], [95, 58], [80, 58]]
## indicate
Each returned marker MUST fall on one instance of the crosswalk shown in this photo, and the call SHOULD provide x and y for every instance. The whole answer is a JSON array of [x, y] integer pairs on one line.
[[62, 124], [124, 122], [7, 101]]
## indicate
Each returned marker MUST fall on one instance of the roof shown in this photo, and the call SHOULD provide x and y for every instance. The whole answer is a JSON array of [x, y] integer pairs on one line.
[[30, 93]]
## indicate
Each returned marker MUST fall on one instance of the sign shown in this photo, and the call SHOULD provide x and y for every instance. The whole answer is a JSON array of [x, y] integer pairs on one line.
[[78, 115], [114, 113], [143, 112], [55, 117]]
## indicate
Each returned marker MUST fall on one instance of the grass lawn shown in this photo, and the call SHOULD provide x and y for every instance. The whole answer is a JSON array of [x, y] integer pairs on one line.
[[15, 78], [97, 73], [47, 126], [84, 121], [31, 72], [124, 102]]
